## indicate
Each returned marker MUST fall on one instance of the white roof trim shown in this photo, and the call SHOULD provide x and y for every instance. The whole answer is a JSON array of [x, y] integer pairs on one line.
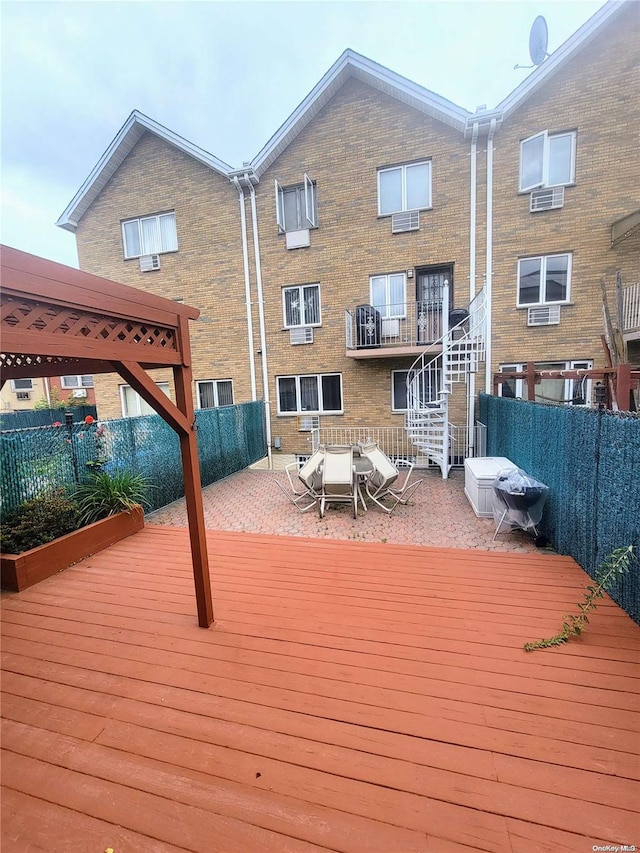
[[127, 136], [352, 64], [560, 56]]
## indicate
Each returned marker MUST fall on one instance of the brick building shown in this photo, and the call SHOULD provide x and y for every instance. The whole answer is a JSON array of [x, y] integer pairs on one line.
[[329, 263]]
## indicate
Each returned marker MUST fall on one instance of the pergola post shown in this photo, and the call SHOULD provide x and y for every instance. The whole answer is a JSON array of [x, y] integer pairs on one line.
[[193, 497]]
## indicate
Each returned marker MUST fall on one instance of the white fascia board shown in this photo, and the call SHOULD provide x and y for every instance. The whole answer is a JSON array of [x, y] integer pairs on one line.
[[351, 64], [124, 141], [560, 56]]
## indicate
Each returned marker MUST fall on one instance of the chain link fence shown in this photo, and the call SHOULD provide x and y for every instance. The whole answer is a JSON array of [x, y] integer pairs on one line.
[[40, 459], [590, 459]]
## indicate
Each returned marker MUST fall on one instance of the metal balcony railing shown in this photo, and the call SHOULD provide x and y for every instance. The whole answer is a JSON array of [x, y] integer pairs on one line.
[[631, 308], [396, 444], [393, 325]]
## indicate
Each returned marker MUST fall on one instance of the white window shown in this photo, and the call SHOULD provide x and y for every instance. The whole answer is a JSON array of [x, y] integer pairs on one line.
[[560, 390], [22, 384], [132, 403], [214, 393], [313, 394], [402, 188], [77, 381], [296, 207], [388, 295], [547, 160], [301, 305], [426, 386], [544, 280], [150, 235]]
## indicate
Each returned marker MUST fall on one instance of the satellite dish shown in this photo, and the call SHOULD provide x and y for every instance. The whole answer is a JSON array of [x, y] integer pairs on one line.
[[538, 41]]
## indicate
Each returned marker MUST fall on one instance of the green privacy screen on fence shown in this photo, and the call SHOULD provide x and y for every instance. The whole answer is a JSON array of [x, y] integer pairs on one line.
[[36, 460], [590, 460]]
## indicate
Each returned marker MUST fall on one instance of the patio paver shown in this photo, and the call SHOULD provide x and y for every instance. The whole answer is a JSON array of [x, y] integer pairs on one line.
[[439, 515]]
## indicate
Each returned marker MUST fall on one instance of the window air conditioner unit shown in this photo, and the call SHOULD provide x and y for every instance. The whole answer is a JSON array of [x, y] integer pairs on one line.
[[409, 221], [308, 422], [148, 263], [301, 335], [23, 395], [547, 199], [298, 239], [543, 315], [80, 392]]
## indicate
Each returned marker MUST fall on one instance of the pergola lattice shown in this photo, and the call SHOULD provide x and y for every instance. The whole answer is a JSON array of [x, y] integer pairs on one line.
[[56, 320]]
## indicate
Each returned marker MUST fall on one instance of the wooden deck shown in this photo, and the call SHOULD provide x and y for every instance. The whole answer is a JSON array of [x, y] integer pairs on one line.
[[351, 696]]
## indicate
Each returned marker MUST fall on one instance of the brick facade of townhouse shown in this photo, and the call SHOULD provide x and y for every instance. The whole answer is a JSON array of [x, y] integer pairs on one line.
[[366, 140], [341, 150], [205, 271], [593, 105]]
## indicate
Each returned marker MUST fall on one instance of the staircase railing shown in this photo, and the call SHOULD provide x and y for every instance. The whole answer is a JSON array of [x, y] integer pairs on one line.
[[430, 379]]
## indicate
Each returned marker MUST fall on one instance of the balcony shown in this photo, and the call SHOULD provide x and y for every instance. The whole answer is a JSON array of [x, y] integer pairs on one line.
[[392, 330], [631, 312]]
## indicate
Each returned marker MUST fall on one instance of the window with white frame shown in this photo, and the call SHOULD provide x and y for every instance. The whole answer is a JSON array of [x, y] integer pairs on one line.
[[213, 393], [150, 235], [547, 160], [296, 206], [403, 188], [84, 381], [132, 403], [22, 384], [425, 386], [388, 295], [571, 391], [301, 305], [544, 279], [312, 394]]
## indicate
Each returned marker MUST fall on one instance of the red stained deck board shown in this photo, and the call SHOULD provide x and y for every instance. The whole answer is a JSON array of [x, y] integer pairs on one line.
[[378, 684]]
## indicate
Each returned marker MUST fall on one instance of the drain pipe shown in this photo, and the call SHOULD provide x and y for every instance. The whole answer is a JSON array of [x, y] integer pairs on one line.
[[263, 335], [489, 259], [247, 286], [472, 215], [471, 387]]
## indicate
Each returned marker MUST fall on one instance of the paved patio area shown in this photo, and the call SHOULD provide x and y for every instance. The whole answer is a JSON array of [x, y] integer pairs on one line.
[[439, 515]]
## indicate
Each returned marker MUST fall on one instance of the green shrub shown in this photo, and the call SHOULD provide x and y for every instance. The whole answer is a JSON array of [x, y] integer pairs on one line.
[[106, 494], [37, 521]]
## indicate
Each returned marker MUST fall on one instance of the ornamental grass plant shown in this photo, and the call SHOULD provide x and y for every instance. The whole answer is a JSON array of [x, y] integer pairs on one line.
[[107, 494]]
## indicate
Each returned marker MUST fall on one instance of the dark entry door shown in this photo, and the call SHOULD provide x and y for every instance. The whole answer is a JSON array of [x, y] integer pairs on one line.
[[429, 284]]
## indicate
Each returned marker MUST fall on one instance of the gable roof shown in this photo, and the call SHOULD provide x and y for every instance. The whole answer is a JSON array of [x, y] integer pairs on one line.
[[561, 56], [134, 127], [352, 64]]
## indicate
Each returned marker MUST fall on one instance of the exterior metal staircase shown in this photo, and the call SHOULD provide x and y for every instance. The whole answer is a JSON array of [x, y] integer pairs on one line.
[[431, 379]]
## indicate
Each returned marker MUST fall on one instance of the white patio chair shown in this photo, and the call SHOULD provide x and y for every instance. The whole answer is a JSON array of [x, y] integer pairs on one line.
[[338, 479], [381, 485], [305, 481]]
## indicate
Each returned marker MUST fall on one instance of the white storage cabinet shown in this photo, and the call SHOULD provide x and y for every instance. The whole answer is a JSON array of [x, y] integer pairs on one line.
[[479, 475]]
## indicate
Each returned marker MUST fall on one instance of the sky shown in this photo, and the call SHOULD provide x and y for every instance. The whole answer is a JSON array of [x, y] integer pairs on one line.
[[224, 75]]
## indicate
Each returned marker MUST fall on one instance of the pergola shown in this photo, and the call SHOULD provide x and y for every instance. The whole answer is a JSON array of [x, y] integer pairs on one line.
[[57, 320]]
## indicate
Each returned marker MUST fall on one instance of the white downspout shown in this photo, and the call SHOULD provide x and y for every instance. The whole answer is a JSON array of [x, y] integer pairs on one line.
[[263, 334], [472, 214], [489, 260], [473, 191], [47, 390], [247, 288]]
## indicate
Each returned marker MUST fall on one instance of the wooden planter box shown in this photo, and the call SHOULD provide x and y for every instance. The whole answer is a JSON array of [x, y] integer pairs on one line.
[[20, 571]]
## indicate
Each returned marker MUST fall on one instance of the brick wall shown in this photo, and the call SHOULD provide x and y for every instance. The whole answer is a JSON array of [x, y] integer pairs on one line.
[[596, 95], [206, 271], [357, 132]]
